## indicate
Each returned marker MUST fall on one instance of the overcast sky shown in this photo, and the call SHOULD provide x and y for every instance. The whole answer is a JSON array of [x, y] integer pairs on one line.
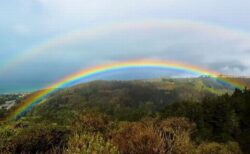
[[212, 34]]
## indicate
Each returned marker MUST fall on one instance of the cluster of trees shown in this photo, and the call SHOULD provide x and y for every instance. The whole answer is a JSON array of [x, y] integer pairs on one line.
[[220, 118]]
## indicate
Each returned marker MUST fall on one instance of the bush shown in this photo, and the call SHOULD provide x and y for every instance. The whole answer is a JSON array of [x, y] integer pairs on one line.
[[137, 138], [89, 143], [176, 133], [92, 122], [168, 136]]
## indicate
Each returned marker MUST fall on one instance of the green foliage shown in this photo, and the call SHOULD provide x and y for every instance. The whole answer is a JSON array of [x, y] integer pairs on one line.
[[222, 118], [2, 112]]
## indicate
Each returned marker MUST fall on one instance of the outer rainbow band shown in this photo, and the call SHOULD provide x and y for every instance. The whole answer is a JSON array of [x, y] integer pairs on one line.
[[86, 33]]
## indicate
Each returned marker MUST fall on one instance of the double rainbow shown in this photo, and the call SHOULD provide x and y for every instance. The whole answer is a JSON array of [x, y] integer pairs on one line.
[[36, 98]]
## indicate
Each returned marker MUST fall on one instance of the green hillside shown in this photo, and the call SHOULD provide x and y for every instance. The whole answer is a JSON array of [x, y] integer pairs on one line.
[[184, 115], [127, 100]]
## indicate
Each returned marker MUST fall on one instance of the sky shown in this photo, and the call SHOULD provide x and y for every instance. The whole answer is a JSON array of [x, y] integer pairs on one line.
[[42, 41]]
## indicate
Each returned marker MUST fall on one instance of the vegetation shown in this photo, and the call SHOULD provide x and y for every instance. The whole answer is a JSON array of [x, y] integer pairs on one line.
[[2, 112], [219, 119], [133, 118]]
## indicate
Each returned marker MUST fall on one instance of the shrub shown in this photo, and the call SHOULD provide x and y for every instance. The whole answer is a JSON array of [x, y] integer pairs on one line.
[[92, 122], [169, 136], [136, 138], [89, 143], [176, 133]]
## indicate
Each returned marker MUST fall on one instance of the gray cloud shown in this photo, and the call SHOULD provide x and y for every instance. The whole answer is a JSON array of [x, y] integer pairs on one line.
[[201, 45], [230, 67]]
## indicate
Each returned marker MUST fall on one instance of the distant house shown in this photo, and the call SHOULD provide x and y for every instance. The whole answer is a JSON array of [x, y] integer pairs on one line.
[[8, 104]]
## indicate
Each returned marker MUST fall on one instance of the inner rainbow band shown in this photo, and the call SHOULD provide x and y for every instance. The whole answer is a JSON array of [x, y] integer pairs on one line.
[[37, 97]]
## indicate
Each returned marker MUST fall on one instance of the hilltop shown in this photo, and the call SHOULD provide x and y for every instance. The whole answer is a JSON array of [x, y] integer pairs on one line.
[[159, 92]]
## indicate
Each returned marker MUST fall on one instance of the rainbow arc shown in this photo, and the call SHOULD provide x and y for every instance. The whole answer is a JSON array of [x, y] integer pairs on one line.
[[37, 97]]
